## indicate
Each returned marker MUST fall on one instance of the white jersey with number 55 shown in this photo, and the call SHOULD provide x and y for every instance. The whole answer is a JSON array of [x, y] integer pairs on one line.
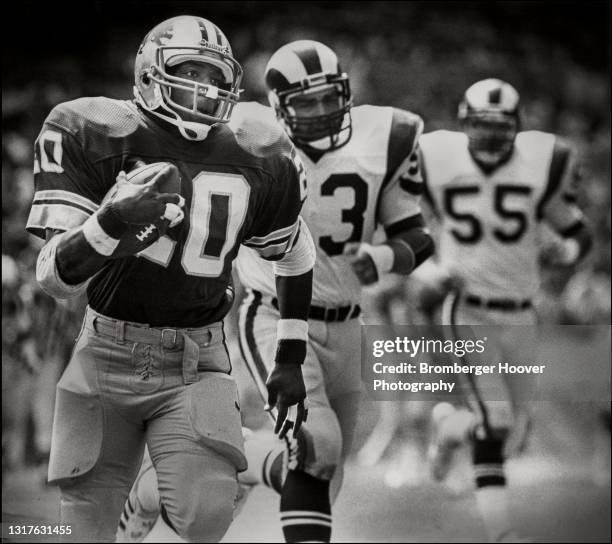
[[373, 180], [489, 234]]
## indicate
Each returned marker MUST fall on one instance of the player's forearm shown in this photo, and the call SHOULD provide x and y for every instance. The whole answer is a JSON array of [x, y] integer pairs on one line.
[[69, 259], [401, 253], [293, 275], [76, 259], [410, 249], [83, 251], [294, 294], [65, 264]]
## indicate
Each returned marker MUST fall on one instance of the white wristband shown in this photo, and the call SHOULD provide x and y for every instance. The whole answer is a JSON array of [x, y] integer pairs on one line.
[[97, 237], [382, 255], [292, 329]]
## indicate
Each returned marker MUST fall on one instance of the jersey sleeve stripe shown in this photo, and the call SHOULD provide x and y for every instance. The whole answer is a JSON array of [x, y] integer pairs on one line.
[[263, 245], [285, 231], [403, 135], [276, 250], [67, 197], [285, 248], [54, 201], [54, 216], [426, 192], [558, 166]]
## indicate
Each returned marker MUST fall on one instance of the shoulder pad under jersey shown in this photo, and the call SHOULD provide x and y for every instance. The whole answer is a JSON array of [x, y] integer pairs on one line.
[[257, 131], [95, 115], [532, 142]]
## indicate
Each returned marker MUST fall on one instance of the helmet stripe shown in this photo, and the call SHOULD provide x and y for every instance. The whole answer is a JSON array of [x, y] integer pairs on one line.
[[310, 59], [220, 37], [211, 34], [329, 61], [291, 67], [184, 29]]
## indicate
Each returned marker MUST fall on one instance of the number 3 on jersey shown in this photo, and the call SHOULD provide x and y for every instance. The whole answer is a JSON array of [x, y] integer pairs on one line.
[[353, 215], [218, 210]]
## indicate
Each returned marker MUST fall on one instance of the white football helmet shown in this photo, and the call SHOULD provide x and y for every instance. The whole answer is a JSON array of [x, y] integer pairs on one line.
[[490, 116], [176, 40], [304, 68]]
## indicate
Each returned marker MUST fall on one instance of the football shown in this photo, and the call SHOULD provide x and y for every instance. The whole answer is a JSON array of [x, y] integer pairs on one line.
[[139, 237]]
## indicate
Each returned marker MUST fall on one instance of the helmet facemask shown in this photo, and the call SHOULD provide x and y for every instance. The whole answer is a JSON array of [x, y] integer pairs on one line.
[[226, 96], [317, 132], [491, 136]]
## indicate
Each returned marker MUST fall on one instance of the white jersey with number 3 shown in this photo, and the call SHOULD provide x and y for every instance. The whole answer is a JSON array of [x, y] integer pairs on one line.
[[374, 179], [489, 234]]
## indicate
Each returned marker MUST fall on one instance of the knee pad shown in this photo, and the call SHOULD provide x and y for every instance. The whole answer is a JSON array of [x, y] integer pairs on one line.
[[215, 416], [205, 518], [76, 441]]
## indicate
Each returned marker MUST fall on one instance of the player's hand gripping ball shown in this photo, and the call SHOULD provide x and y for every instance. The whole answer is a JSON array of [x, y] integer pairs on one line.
[[147, 199]]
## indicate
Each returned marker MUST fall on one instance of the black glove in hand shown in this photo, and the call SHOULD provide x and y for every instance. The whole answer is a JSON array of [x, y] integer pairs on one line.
[[144, 204], [285, 390]]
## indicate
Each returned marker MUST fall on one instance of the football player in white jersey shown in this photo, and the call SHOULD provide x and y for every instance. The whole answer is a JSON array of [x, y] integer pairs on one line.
[[490, 186], [362, 170]]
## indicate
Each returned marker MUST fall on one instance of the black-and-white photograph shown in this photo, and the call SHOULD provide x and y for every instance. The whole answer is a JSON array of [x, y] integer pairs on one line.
[[306, 271]]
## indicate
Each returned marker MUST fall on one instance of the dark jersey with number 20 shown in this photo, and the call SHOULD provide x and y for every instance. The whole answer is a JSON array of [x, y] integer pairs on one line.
[[243, 184]]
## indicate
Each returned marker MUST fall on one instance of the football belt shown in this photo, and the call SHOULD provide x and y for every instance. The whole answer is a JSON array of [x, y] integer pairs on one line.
[[319, 313], [505, 304]]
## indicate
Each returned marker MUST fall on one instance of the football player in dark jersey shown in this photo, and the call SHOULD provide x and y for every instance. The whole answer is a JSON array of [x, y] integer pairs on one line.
[[150, 364]]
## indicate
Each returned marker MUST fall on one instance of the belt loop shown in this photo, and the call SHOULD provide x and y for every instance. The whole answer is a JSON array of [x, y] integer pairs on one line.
[[191, 357], [120, 332]]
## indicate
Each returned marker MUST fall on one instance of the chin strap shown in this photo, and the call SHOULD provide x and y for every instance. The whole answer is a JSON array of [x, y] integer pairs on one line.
[[199, 130]]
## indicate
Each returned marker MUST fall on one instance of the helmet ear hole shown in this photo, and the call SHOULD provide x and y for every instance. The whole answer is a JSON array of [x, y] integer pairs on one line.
[[146, 80]]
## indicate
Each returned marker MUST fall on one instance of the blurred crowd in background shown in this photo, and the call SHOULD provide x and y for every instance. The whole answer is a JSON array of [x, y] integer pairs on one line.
[[420, 56]]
